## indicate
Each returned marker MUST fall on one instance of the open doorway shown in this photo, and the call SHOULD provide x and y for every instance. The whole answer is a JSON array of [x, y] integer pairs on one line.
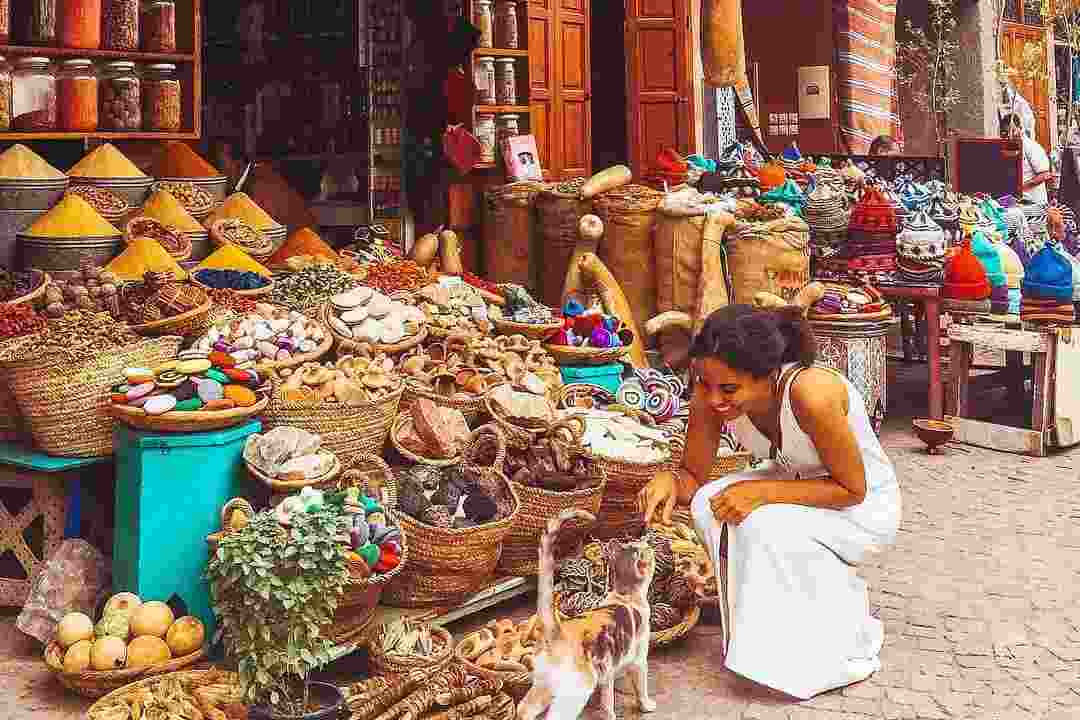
[[609, 104]]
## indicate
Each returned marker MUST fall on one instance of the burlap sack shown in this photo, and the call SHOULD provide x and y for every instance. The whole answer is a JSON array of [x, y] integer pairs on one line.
[[557, 216], [629, 214], [509, 233], [768, 257], [723, 54], [677, 239]]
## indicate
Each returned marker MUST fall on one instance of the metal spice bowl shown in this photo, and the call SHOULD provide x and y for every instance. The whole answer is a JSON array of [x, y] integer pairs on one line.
[[134, 190], [60, 254], [200, 243], [218, 187], [28, 194], [276, 235]]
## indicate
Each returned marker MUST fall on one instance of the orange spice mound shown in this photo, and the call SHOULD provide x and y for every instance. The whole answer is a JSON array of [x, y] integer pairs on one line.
[[304, 241], [178, 160]]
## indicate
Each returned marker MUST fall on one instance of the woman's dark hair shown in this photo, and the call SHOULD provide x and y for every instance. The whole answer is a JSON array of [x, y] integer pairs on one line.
[[881, 144], [756, 340]]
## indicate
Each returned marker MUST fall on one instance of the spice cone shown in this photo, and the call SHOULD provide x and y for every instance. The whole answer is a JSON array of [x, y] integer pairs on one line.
[[19, 161], [71, 217], [106, 162], [167, 210], [240, 206]]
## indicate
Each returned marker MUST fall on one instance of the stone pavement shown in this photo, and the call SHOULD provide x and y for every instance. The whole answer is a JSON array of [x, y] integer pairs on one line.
[[980, 599]]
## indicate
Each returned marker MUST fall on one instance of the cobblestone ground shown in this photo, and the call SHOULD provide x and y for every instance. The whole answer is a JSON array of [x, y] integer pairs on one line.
[[980, 599]]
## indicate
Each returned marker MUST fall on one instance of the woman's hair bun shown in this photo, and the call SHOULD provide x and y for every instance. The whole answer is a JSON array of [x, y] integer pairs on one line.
[[756, 340]]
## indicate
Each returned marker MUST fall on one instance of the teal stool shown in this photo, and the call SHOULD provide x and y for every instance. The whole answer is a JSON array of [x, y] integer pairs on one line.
[[169, 492]]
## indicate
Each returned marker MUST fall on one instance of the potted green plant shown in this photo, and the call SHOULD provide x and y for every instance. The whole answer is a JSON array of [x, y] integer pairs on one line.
[[274, 587]]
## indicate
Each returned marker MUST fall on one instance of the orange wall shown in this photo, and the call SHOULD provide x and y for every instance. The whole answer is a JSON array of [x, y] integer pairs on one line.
[[781, 36]]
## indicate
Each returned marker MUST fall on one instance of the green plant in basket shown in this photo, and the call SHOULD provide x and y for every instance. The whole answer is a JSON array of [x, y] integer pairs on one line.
[[275, 587]]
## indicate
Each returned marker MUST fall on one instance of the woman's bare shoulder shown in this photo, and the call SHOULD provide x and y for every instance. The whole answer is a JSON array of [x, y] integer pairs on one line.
[[818, 391]]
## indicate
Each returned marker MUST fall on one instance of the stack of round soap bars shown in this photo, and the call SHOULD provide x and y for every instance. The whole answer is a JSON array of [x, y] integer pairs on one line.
[[194, 382]]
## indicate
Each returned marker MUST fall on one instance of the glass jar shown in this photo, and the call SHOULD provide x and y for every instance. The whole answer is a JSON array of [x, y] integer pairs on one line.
[[161, 98], [505, 82], [120, 25], [506, 127], [159, 27], [79, 24], [33, 95], [121, 105], [485, 134], [5, 22], [485, 22], [77, 96], [506, 25], [485, 80], [5, 95], [40, 22]]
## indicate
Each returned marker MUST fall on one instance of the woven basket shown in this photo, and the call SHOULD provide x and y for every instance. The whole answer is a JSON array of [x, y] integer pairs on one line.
[[472, 408], [64, 398], [30, 298], [98, 683], [186, 325], [188, 678], [185, 421], [584, 395], [290, 486], [448, 565], [349, 627], [538, 506], [516, 435], [399, 424], [533, 331], [255, 292], [660, 638], [619, 515], [346, 431], [485, 441], [345, 346], [298, 360], [381, 663], [515, 684], [723, 465], [570, 355], [362, 594]]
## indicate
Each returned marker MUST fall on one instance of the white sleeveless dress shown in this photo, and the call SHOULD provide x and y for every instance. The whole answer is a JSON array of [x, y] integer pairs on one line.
[[796, 615]]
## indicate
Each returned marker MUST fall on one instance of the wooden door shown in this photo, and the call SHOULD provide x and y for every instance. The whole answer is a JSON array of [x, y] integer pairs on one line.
[[1014, 39], [542, 90], [658, 80], [573, 102]]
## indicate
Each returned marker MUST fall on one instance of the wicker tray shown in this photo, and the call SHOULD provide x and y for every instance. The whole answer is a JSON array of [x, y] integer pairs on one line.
[[533, 331], [189, 678], [472, 409], [515, 684], [448, 565], [98, 683], [193, 322], [399, 424], [382, 664], [185, 421], [43, 280], [346, 345], [283, 486], [298, 360], [256, 292], [584, 395], [570, 355]]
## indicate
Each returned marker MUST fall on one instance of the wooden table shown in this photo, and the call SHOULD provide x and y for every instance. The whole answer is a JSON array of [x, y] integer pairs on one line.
[[930, 298]]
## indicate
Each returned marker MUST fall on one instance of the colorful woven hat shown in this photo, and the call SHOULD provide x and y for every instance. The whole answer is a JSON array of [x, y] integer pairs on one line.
[[789, 194], [874, 212], [921, 239], [1075, 264], [913, 195], [996, 214], [1011, 265], [791, 158], [987, 254], [1049, 276], [824, 210], [965, 276]]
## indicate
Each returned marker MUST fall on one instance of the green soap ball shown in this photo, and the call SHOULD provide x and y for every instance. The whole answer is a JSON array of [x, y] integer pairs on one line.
[[370, 505], [192, 404], [370, 553], [219, 376]]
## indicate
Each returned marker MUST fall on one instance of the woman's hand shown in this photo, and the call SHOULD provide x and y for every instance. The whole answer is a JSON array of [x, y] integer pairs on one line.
[[739, 500], [660, 494]]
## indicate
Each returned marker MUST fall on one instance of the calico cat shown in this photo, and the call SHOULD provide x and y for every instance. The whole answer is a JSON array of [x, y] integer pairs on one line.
[[576, 656]]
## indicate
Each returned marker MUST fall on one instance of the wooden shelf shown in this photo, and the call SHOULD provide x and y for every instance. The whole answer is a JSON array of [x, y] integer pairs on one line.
[[502, 109], [49, 135], [54, 52], [500, 52]]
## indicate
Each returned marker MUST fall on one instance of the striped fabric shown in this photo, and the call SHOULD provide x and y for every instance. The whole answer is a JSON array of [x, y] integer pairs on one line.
[[866, 71]]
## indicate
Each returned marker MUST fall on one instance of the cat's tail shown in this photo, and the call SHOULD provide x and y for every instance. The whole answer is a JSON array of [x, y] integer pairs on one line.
[[545, 587]]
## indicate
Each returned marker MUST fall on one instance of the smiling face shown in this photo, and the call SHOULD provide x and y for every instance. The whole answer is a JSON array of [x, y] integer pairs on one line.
[[731, 393]]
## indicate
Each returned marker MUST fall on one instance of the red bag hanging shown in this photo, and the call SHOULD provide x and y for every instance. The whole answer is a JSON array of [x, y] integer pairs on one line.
[[461, 148]]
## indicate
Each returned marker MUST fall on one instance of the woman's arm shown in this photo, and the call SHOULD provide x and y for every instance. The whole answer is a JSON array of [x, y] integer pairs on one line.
[[702, 441]]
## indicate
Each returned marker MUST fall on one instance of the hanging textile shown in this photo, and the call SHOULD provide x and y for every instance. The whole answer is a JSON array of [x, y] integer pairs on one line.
[[866, 71]]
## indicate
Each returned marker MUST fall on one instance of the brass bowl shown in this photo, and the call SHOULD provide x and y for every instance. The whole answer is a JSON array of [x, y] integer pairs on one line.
[[934, 433]]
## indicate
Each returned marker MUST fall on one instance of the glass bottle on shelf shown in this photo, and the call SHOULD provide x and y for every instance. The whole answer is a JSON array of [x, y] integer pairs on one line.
[[506, 25], [505, 82], [120, 25], [484, 20], [5, 95], [79, 24], [33, 95], [77, 96], [5, 22], [121, 102], [39, 26], [162, 104], [159, 27]]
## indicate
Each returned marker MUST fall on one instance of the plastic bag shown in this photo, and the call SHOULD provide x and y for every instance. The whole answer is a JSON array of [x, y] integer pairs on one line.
[[71, 581]]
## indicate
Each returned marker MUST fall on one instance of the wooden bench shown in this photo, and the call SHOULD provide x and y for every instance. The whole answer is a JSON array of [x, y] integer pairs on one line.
[[1054, 410]]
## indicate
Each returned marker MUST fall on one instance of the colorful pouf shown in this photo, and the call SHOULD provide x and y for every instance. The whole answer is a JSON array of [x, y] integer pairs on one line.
[[965, 276]]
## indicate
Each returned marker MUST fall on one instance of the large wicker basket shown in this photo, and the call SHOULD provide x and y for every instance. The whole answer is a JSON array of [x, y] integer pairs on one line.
[[448, 565], [345, 345], [472, 408], [188, 678], [346, 431], [515, 683], [64, 398], [381, 663], [362, 594], [98, 683], [723, 465], [190, 324], [619, 515], [571, 355]]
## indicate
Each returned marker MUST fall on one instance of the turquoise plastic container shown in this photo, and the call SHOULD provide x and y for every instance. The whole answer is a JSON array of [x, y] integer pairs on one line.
[[608, 377], [170, 489]]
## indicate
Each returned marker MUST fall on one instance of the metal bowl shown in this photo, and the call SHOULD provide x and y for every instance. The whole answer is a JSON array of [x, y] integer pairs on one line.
[[26, 194], [134, 190], [200, 243], [276, 235], [66, 254], [13, 222]]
